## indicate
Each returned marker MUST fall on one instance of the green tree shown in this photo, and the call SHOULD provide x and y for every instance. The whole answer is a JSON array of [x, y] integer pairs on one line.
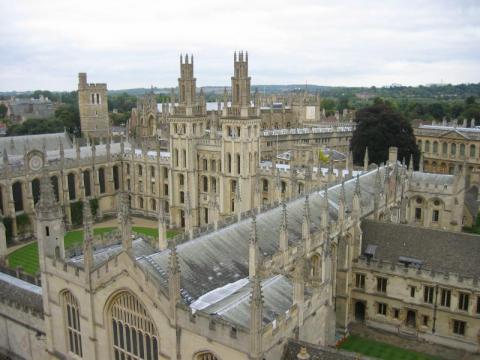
[[70, 118], [3, 111], [328, 105], [380, 126]]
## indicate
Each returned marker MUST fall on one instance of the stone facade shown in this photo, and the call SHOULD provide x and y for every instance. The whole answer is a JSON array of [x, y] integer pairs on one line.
[[93, 106]]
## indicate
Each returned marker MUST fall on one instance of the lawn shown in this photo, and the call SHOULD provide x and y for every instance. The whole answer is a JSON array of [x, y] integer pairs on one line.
[[381, 350], [27, 256]]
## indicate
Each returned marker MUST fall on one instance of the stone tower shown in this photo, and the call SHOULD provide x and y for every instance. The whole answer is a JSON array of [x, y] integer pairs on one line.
[[93, 106], [240, 148], [187, 124], [50, 227]]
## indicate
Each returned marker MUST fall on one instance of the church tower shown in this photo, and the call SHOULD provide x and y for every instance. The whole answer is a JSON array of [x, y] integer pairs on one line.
[[188, 123], [50, 226], [240, 143], [93, 107]]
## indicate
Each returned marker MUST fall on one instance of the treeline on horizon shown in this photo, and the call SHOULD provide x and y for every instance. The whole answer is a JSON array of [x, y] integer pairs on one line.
[[422, 102]]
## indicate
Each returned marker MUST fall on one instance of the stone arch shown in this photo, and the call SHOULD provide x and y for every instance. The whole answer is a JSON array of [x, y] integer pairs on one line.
[[101, 180], [132, 331], [17, 191], [315, 266], [36, 190]]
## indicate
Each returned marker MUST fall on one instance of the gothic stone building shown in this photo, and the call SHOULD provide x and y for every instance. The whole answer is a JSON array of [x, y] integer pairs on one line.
[[299, 270]]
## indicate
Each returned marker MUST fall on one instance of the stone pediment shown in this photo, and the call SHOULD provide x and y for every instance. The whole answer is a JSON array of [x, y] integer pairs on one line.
[[454, 135]]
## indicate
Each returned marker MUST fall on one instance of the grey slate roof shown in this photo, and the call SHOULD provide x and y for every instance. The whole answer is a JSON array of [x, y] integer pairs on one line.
[[430, 178], [15, 145], [443, 251], [21, 292]]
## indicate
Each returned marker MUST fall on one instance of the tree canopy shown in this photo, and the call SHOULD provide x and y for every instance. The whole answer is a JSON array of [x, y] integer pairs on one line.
[[380, 126]]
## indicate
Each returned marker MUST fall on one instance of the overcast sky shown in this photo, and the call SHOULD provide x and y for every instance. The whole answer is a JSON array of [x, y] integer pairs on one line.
[[45, 43]]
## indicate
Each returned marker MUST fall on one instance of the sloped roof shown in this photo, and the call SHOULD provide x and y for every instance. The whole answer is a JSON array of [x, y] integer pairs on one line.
[[442, 251], [15, 145]]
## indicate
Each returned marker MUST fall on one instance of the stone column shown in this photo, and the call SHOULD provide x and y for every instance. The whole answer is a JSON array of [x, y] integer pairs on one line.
[[3, 244]]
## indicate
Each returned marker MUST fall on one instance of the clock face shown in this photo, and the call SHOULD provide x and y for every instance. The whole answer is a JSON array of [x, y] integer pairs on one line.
[[35, 163]]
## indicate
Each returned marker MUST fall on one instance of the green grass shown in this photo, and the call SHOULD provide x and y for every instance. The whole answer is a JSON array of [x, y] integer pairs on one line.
[[381, 350], [27, 256]]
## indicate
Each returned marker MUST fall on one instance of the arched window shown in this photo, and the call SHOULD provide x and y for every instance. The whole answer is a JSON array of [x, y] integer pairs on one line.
[[213, 165], [116, 178], [265, 184], [86, 183], [17, 196], [435, 147], [315, 266], [71, 186], [72, 323], [427, 146], [36, 190], [453, 149], [238, 163], [205, 184], [444, 148], [54, 181], [140, 202], [181, 179], [213, 182], [134, 335], [229, 163], [205, 164], [101, 180], [472, 151], [462, 149], [205, 355]]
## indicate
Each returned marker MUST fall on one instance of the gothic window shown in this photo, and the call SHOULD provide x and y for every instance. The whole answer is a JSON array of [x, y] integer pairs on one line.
[[181, 179], [93, 98], [116, 178], [233, 186], [184, 156], [98, 98], [205, 215], [86, 183], [232, 205], [205, 184], [453, 149], [182, 197], [54, 181], [36, 190], [101, 180], [205, 355], [205, 164], [140, 202], [17, 196], [72, 323], [229, 163], [213, 182], [134, 335], [165, 189], [315, 266], [265, 185], [71, 186]]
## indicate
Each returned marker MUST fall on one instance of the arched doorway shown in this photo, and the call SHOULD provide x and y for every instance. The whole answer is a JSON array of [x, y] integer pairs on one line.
[[411, 318], [359, 311]]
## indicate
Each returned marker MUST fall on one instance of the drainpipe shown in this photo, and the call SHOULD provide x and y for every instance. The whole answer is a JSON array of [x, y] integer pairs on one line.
[[435, 309]]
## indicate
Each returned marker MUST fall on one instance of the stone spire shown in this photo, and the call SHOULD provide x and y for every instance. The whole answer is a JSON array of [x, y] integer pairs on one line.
[[87, 236], [306, 224], [256, 317], [254, 250], [162, 227], [365, 160], [173, 278], [124, 221], [356, 206]]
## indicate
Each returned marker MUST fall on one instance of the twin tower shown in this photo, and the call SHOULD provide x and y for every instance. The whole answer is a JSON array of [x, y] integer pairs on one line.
[[214, 162]]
